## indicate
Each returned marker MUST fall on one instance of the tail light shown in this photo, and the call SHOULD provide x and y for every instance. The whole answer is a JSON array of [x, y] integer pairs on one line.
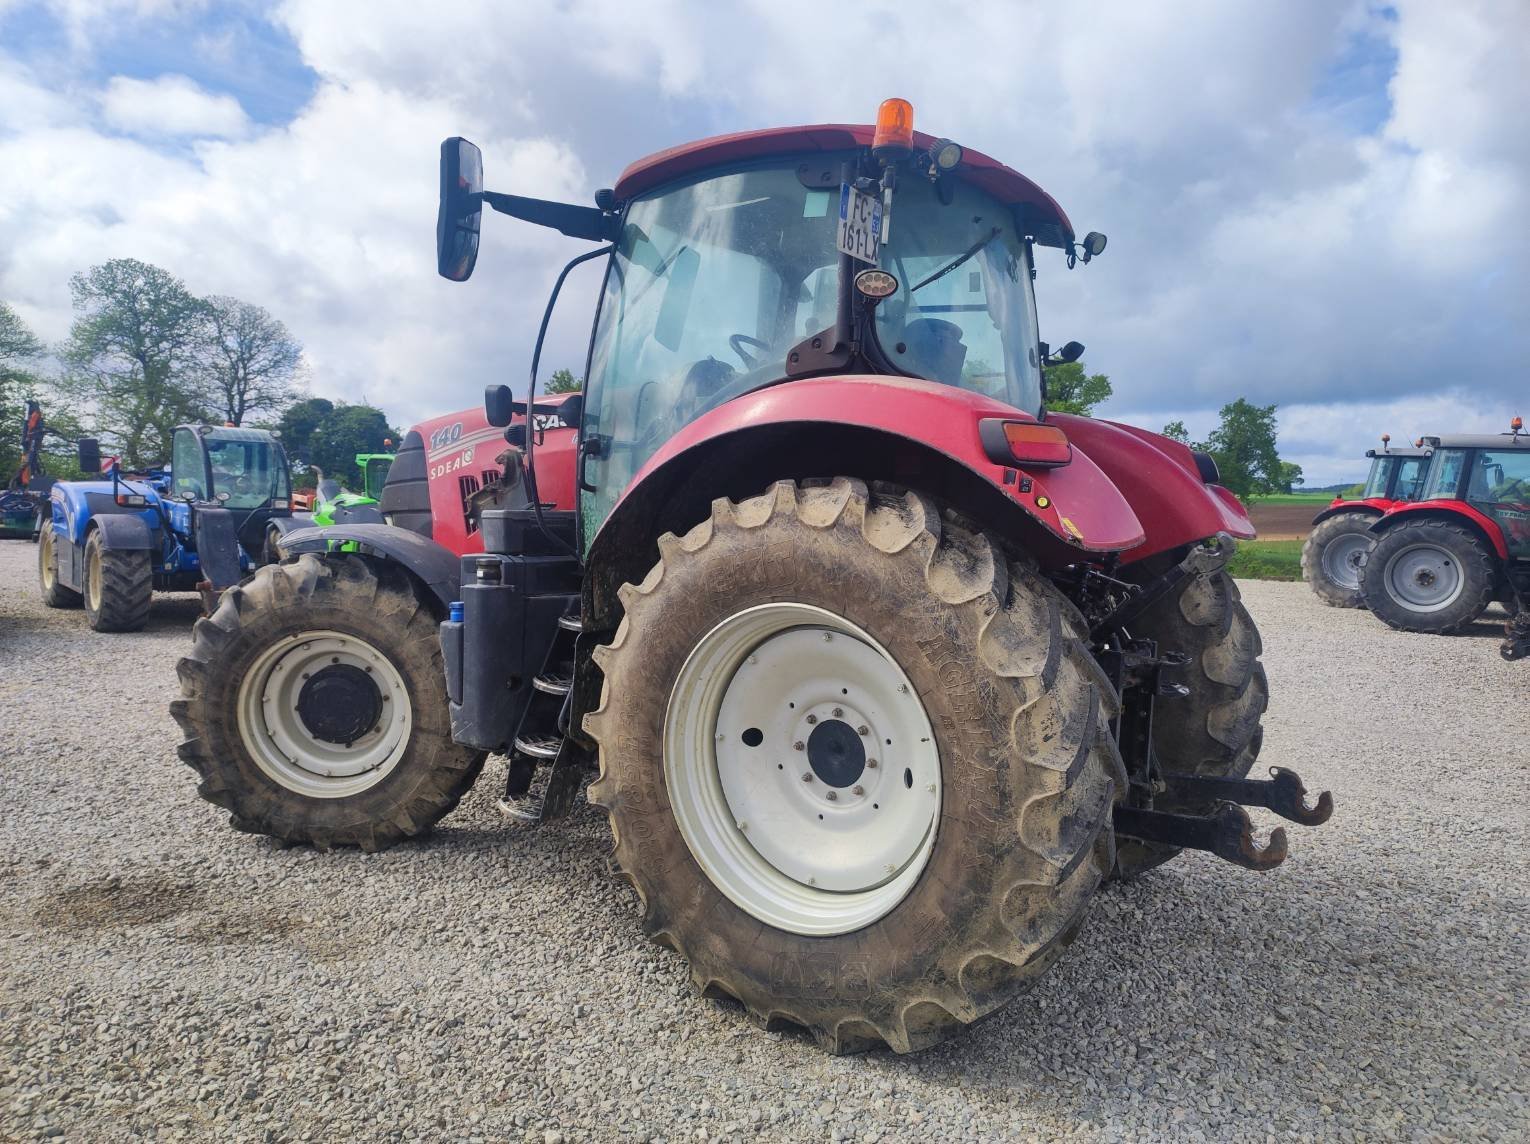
[[1024, 443], [130, 500]]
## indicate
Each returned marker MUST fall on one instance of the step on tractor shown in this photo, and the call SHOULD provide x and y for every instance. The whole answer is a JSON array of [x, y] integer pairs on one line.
[[1440, 560], [881, 668], [201, 525], [1341, 533]]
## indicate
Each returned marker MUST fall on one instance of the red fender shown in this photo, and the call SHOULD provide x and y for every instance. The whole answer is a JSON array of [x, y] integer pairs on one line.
[[1443, 508], [1076, 502], [1159, 478], [1376, 505]]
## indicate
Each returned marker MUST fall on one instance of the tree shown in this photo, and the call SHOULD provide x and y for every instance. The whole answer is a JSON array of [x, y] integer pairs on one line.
[[320, 432], [1175, 430], [18, 346], [298, 423], [564, 381], [132, 353], [1243, 445], [251, 360], [1071, 390]]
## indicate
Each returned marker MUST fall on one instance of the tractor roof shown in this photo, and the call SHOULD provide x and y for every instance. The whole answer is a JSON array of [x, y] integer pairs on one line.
[[1481, 441], [1400, 451], [1044, 217]]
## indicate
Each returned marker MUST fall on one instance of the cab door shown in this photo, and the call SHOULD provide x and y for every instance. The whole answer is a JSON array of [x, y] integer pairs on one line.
[[1500, 488]]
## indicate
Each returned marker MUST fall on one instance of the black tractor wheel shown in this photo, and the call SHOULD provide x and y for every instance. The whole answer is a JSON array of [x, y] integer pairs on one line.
[[858, 765], [1214, 727], [1332, 555], [54, 593], [119, 586], [315, 707], [1429, 575]]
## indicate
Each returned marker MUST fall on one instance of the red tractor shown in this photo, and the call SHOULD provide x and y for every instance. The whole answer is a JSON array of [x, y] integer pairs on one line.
[[1341, 533], [881, 668], [1465, 542]]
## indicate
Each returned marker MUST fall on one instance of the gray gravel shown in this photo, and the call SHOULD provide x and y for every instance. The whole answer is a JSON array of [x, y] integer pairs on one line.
[[161, 974]]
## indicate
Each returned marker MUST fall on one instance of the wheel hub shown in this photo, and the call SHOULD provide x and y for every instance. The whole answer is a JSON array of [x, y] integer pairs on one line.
[[1342, 558], [1424, 578], [339, 703], [836, 754]]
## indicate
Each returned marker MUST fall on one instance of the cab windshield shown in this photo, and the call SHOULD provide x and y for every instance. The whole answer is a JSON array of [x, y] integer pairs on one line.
[[1376, 483], [245, 465], [714, 281]]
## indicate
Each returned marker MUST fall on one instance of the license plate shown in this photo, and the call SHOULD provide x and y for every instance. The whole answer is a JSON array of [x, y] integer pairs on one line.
[[860, 224]]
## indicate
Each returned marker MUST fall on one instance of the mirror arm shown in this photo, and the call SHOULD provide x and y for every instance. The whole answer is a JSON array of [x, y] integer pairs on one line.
[[577, 222]]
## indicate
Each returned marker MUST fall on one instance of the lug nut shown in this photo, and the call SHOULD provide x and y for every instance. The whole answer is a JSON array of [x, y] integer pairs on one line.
[[807, 776], [797, 746], [871, 764], [863, 730], [838, 711], [860, 790], [832, 796], [812, 719]]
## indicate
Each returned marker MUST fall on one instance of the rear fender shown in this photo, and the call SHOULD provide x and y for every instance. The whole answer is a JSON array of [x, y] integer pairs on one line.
[[908, 432], [437, 568], [1457, 512], [1372, 507]]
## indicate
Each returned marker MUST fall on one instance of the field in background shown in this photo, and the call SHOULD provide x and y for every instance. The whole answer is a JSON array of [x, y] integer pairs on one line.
[[1267, 560]]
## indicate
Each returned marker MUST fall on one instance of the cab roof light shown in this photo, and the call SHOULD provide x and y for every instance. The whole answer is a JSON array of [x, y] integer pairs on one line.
[[1027, 444], [1517, 424], [894, 135]]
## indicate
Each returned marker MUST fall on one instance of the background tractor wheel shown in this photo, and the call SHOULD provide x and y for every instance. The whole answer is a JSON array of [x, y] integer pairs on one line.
[[1429, 576], [1214, 729], [315, 707], [54, 593], [858, 766], [1332, 555], [119, 586]]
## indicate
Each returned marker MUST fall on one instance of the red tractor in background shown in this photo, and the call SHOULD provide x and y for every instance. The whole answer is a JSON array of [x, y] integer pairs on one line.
[[1341, 533], [1440, 560], [881, 668]]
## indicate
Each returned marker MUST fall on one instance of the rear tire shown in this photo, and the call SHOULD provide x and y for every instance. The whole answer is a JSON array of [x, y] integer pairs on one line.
[[1018, 756], [1332, 555], [119, 586], [360, 754], [54, 593], [1215, 728], [1429, 575]]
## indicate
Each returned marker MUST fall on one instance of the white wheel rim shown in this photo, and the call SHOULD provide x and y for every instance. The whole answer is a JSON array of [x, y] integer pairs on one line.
[[756, 810], [1424, 578], [45, 560], [93, 578], [1341, 559], [282, 744]]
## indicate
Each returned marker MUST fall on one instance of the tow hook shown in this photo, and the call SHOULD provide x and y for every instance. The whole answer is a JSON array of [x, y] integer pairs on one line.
[[1227, 831], [1516, 643]]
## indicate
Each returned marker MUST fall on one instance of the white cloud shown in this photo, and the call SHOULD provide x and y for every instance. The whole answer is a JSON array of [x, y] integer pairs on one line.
[[171, 105]]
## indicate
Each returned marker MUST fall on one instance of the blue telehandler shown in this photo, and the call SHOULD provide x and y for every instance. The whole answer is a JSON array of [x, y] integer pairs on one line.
[[200, 525]]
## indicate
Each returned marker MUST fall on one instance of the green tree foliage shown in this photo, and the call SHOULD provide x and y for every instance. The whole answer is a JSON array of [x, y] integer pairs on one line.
[[132, 354], [1071, 390], [328, 435], [1243, 446], [564, 381], [19, 346], [250, 360], [1176, 431]]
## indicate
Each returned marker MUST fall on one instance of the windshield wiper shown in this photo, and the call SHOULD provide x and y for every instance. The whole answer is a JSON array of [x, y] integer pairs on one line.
[[950, 266]]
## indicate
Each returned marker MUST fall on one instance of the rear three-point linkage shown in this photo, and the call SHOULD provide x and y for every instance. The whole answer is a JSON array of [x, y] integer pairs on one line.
[[1142, 673]]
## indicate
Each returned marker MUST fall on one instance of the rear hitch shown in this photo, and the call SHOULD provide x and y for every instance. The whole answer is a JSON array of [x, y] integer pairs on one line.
[[1227, 831], [1516, 643], [1204, 558]]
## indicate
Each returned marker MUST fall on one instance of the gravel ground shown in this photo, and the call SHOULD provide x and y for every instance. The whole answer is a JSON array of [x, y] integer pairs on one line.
[[163, 975]]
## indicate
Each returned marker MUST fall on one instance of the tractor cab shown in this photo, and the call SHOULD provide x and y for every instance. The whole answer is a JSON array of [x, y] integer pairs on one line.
[[1490, 473], [1396, 474], [374, 472], [243, 471]]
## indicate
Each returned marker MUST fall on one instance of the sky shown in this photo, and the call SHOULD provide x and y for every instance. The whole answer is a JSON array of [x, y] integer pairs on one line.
[[1316, 204]]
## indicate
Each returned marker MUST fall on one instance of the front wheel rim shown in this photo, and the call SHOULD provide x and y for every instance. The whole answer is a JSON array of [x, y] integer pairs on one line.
[[1341, 560], [45, 561], [1424, 578], [93, 578], [293, 744], [802, 769]]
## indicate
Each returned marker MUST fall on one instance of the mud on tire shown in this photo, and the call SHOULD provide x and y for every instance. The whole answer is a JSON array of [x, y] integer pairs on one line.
[[119, 586], [1215, 728], [1020, 714], [377, 605]]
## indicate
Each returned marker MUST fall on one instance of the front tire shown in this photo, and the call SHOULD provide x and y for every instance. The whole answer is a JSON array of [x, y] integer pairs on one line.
[[1429, 575], [54, 593], [315, 707], [119, 586], [853, 622], [1332, 555]]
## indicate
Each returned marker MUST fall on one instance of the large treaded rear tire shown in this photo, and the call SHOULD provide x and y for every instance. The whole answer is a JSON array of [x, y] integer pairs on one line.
[[119, 586], [1213, 729], [54, 593], [1477, 566], [1021, 715], [377, 604], [1344, 527]]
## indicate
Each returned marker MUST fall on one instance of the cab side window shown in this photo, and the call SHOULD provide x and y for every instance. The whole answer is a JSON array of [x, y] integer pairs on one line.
[[186, 468]]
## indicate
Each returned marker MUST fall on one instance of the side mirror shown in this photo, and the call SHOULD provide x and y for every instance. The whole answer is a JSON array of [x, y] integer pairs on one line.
[[1069, 352], [498, 405], [461, 209], [90, 455]]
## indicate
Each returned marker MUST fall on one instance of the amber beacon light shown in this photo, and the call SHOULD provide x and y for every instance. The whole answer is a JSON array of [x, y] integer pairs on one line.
[[895, 128]]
